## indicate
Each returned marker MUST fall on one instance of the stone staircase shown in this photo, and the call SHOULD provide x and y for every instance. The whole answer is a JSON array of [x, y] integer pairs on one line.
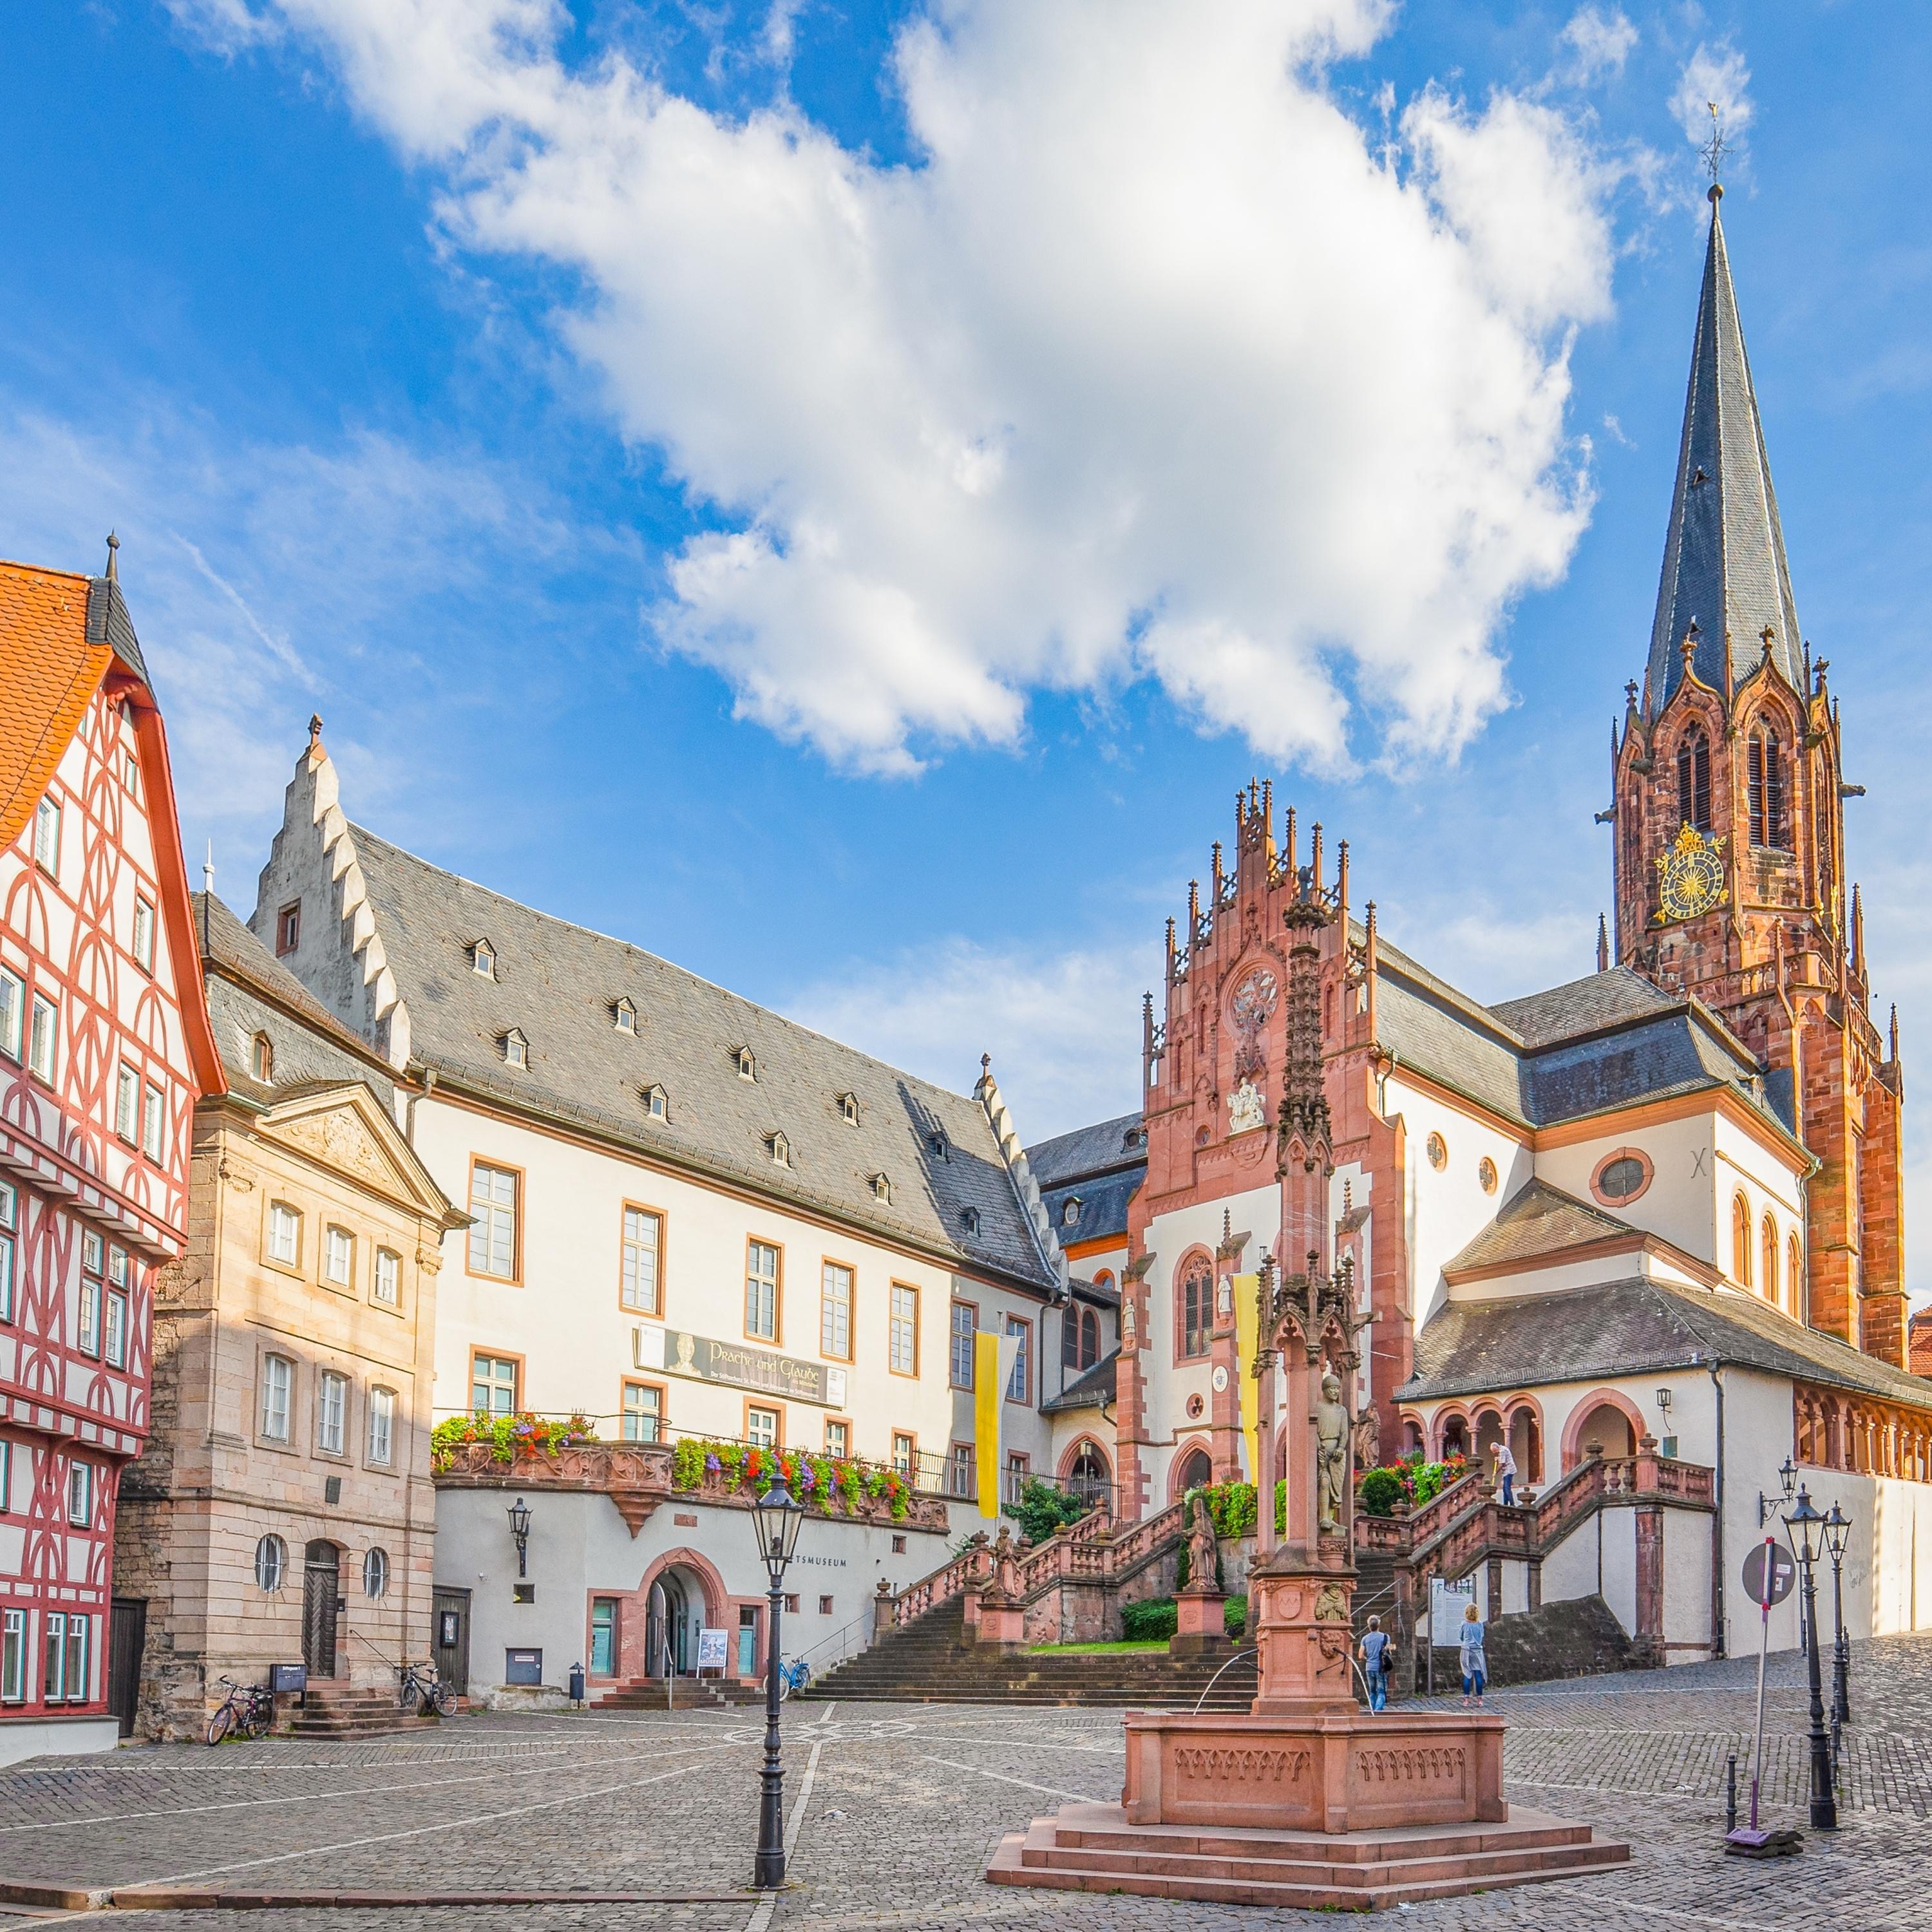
[[365, 1711], [647, 1693], [929, 1661], [1088, 1847]]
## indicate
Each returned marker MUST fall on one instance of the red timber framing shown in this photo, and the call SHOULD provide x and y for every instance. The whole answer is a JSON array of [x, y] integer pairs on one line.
[[97, 1102]]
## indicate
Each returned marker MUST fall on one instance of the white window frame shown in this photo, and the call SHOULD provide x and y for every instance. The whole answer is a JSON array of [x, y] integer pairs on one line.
[[902, 1330], [87, 1320], [755, 1435], [382, 1432], [761, 1290], [494, 1238], [47, 836], [274, 1398], [641, 1247], [114, 1346], [143, 945], [12, 1012], [272, 1547], [80, 1655], [386, 1285], [376, 1574], [43, 1039], [640, 1411], [285, 1220], [127, 1104], [338, 1246], [13, 1657], [332, 1411], [154, 1122], [80, 1494], [834, 1311], [9, 1221], [1022, 1370]]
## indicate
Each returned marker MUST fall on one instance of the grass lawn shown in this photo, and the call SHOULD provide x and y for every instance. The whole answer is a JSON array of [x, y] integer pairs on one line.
[[1090, 1649]]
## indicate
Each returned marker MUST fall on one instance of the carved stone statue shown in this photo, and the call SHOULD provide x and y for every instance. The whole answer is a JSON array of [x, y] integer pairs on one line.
[[1203, 1549], [1126, 1320], [1368, 1438], [1331, 1453], [1245, 1110]]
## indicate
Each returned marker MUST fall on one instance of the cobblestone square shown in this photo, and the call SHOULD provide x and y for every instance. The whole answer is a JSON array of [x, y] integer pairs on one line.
[[894, 1809]]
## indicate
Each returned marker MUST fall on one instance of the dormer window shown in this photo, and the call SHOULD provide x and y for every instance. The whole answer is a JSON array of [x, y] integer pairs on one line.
[[781, 1149], [657, 1103], [261, 1058], [1134, 1137], [882, 1188], [1070, 1213], [935, 1142], [516, 1049], [748, 1067], [969, 1220], [483, 959], [624, 1014], [848, 1109]]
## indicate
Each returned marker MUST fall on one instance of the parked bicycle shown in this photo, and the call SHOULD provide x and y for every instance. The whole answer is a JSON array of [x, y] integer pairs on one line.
[[423, 1691], [249, 1708], [793, 1676]]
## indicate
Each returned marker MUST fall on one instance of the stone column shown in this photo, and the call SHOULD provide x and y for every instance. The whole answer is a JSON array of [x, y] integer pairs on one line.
[[1649, 1631]]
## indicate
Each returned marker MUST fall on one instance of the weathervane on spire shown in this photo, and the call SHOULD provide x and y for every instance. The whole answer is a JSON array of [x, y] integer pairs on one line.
[[1713, 150]]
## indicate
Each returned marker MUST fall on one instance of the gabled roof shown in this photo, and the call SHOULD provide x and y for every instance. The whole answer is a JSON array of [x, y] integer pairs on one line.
[[49, 670], [1632, 1327], [1582, 1005], [1099, 1385], [1538, 1221], [1088, 1150], [557, 982], [1724, 556]]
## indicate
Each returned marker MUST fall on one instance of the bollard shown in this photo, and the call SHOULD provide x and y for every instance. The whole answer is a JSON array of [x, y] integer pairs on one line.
[[1730, 1794]]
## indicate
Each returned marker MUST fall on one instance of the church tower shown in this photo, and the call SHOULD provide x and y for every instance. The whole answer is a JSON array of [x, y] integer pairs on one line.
[[1729, 822]]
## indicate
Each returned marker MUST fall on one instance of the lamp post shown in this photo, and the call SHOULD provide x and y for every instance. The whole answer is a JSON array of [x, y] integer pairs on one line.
[[776, 1516], [1837, 1530], [1768, 1506], [520, 1529], [1806, 1526]]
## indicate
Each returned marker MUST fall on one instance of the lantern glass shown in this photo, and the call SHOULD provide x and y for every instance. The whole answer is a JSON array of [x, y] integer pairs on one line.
[[1804, 1523], [1837, 1530], [776, 1516], [520, 1519]]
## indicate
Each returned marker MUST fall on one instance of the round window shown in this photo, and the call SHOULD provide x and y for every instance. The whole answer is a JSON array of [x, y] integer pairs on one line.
[[1622, 1178], [1486, 1172], [1194, 1408], [375, 1572], [271, 1562], [1438, 1151]]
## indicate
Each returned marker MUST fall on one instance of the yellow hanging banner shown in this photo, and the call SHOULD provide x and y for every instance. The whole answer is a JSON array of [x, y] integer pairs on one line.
[[986, 1418], [1247, 1340]]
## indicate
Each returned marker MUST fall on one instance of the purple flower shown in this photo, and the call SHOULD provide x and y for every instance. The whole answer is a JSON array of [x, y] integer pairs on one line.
[[712, 1465]]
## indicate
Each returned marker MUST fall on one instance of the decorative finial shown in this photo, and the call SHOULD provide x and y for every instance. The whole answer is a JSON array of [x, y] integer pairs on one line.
[[207, 869], [1714, 151], [113, 568], [315, 730], [986, 1060], [1602, 944]]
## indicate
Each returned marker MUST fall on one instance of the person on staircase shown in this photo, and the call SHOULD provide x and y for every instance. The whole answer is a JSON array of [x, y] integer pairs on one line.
[[1506, 1473]]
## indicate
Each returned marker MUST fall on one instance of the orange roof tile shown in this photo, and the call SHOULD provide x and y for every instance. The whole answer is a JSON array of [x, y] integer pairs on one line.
[[48, 673]]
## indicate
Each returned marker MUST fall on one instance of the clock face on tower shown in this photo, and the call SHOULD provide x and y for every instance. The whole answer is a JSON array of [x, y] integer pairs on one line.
[[1690, 876]]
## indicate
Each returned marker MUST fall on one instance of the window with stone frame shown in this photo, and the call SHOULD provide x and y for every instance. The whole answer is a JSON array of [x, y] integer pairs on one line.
[[12, 1012], [1768, 1236], [761, 1426], [284, 1234], [382, 1432], [643, 1412], [902, 1333], [332, 1411], [494, 1382], [761, 1290], [1766, 789], [387, 1286], [1741, 1241], [1196, 1310], [642, 1241], [1079, 1339], [1693, 780], [834, 1311], [494, 1201], [1019, 1383], [277, 1386], [10, 1213], [959, 1358]]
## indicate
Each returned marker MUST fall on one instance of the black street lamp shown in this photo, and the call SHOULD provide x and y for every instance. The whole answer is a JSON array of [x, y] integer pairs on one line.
[[1838, 1531], [1806, 1527], [1767, 1506], [776, 1516], [520, 1528]]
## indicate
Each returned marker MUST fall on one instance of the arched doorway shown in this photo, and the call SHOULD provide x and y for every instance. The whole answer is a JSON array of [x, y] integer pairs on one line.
[[674, 1615], [1525, 1441], [1455, 1436], [321, 1590], [1194, 1471], [1488, 1433], [1087, 1475], [1603, 1422]]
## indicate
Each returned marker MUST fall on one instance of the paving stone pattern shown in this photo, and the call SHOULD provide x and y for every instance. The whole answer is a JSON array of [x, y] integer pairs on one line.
[[907, 1802]]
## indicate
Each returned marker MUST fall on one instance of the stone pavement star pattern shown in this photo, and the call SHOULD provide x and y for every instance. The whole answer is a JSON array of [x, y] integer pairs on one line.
[[907, 1801]]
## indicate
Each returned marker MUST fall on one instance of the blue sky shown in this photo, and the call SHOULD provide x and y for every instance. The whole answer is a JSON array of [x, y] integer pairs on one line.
[[844, 494]]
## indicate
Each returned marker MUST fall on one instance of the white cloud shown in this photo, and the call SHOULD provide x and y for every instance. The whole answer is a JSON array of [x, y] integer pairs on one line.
[[1712, 76], [1599, 43], [1150, 365], [1063, 1029]]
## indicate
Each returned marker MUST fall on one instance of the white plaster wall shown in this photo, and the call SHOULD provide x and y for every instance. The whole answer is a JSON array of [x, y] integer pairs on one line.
[[576, 1341], [579, 1548], [1888, 1569], [1771, 1188], [1448, 1209], [1686, 1584], [1677, 1205]]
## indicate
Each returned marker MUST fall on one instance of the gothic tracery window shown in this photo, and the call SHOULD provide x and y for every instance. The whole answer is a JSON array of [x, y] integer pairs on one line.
[[1197, 1311], [1765, 768], [1693, 781]]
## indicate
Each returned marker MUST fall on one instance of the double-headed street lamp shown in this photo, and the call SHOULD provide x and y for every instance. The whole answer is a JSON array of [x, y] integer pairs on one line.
[[1806, 1527], [1837, 1531], [776, 1516]]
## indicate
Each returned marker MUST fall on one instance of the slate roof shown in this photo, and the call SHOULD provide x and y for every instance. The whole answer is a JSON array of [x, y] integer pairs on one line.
[[1098, 1385], [109, 623], [558, 983], [1088, 1150], [250, 992], [50, 671], [1537, 1220], [1724, 556], [1103, 1204], [1610, 1040], [1632, 1327]]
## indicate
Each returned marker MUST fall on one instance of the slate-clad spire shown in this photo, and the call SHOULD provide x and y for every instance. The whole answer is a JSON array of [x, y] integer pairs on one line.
[[1723, 561]]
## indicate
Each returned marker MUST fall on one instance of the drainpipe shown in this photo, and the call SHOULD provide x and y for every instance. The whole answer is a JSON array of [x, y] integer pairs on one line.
[[1713, 1368]]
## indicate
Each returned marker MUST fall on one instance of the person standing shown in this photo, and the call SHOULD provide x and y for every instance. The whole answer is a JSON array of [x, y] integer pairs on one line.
[[1373, 1650], [1506, 1472], [1475, 1664]]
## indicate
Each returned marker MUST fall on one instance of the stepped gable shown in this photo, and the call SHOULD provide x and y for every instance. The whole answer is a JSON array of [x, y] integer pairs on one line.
[[1633, 1327], [1096, 1388], [559, 984], [251, 992], [1538, 1220]]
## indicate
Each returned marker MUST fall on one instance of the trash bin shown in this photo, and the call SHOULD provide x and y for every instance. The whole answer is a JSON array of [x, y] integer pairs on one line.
[[577, 1684]]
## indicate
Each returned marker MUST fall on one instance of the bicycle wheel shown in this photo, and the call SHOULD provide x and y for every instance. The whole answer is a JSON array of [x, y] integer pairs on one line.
[[444, 1700], [220, 1725], [406, 1695], [256, 1720]]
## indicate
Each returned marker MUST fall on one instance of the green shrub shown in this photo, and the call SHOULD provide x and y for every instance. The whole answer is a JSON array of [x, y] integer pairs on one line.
[[1378, 1492], [1043, 1510], [1236, 1619], [1152, 1621]]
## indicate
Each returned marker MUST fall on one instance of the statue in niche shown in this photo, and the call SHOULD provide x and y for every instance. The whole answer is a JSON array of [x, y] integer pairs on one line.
[[1203, 1549], [1368, 1438], [1245, 1110], [1331, 1453], [1127, 1321]]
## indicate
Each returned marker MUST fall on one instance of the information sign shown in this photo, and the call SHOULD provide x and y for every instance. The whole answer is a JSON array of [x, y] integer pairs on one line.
[[712, 1649]]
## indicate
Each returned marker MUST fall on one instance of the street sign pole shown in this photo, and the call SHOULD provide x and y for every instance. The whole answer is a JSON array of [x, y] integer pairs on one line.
[[1769, 1572]]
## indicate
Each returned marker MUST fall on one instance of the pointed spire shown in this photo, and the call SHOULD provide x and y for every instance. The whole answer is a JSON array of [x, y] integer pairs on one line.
[[1723, 559], [1602, 942], [113, 566]]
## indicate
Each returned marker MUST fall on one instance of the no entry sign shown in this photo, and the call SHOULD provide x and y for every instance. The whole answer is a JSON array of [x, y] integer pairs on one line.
[[1770, 1571]]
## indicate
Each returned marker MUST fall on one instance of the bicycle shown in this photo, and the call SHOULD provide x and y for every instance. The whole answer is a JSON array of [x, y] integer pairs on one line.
[[421, 1689], [248, 1707], [793, 1676]]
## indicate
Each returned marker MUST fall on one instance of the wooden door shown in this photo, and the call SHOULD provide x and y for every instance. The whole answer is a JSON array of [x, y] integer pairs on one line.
[[450, 1608], [127, 1636], [322, 1589]]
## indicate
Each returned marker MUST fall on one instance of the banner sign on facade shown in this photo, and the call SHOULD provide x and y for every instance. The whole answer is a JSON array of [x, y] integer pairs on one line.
[[674, 1352], [1247, 1341], [993, 1356]]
